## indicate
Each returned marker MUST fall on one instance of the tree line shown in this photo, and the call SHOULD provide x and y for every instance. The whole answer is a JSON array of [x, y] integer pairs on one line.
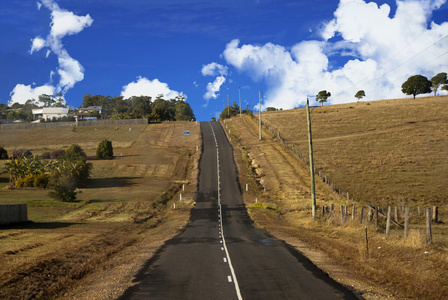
[[414, 85], [135, 107], [116, 108]]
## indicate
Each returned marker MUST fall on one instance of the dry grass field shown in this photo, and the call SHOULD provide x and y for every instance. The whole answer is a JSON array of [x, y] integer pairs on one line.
[[92, 247], [389, 142], [389, 152]]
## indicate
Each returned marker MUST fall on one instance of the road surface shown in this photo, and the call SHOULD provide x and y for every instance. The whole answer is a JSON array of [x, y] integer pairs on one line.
[[221, 254]]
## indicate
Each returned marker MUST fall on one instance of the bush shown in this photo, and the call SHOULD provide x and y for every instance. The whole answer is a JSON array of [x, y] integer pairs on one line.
[[74, 152], [104, 149], [20, 182], [3, 153], [41, 181], [56, 154], [63, 188], [18, 153], [28, 181]]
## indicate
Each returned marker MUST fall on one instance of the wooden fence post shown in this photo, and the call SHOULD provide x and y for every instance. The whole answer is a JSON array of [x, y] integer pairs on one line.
[[370, 215], [354, 211], [342, 214], [419, 211], [361, 213], [389, 212], [323, 210], [345, 213], [406, 222], [396, 214], [428, 225], [435, 214], [332, 209]]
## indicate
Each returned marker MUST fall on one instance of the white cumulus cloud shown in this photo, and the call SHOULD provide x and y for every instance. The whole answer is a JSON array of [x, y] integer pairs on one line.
[[145, 87], [214, 69], [63, 23], [213, 88], [21, 93], [37, 44], [363, 47]]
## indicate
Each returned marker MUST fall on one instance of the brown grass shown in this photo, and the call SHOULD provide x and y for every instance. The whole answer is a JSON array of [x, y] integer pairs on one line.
[[388, 152], [392, 267], [118, 220]]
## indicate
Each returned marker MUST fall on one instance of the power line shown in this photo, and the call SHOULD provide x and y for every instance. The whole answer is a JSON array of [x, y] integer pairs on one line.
[[400, 65]]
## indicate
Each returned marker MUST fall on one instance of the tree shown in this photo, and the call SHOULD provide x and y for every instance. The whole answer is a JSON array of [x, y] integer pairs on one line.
[[445, 87], [184, 112], [360, 94], [322, 97], [104, 149], [47, 100], [416, 85], [230, 111], [437, 81]]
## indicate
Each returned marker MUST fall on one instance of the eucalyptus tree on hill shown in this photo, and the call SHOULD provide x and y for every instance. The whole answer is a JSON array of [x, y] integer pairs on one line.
[[322, 97], [360, 94], [416, 85], [438, 81]]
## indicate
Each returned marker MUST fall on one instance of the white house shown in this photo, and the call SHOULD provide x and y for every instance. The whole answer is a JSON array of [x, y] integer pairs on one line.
[[50, 113]]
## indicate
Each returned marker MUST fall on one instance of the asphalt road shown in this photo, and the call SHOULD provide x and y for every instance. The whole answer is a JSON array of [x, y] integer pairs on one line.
[[221, 254]]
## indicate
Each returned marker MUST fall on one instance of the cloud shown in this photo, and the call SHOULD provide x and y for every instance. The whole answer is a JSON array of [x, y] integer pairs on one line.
[[63, 23], [66, 23], [213, 88], [21, 93], [145, 87], [363, 47], [37, 44], [214, 69]]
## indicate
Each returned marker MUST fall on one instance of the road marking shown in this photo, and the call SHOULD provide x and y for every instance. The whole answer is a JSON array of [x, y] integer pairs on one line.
[[224, 259], [229, 278], [222, 248]]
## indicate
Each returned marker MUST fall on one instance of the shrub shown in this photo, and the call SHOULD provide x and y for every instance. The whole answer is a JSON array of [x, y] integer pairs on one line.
[[74, 152], [19, 182], [3, 153], [56, 154], [28, 181], [63, 188], [18, 153], [104, 149], [41, 181]]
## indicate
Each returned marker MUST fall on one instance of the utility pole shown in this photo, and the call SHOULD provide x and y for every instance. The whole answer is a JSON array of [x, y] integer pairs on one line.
[[239, 93], [228, 106], [310, 142], [259, 100]]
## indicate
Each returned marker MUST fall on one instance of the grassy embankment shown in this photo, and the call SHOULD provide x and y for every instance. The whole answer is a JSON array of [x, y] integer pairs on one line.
[[98, 242], [392, 152]]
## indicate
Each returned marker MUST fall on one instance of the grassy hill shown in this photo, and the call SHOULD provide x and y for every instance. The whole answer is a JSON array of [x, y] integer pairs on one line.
[[100, 240], [388, 152]]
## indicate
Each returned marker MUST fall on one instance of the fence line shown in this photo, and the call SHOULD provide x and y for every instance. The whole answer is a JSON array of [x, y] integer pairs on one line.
[[70, 124], [374, 212]]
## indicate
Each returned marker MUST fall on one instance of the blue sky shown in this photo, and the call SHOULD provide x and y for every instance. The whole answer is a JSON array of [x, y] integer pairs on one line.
[[205, 50]]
